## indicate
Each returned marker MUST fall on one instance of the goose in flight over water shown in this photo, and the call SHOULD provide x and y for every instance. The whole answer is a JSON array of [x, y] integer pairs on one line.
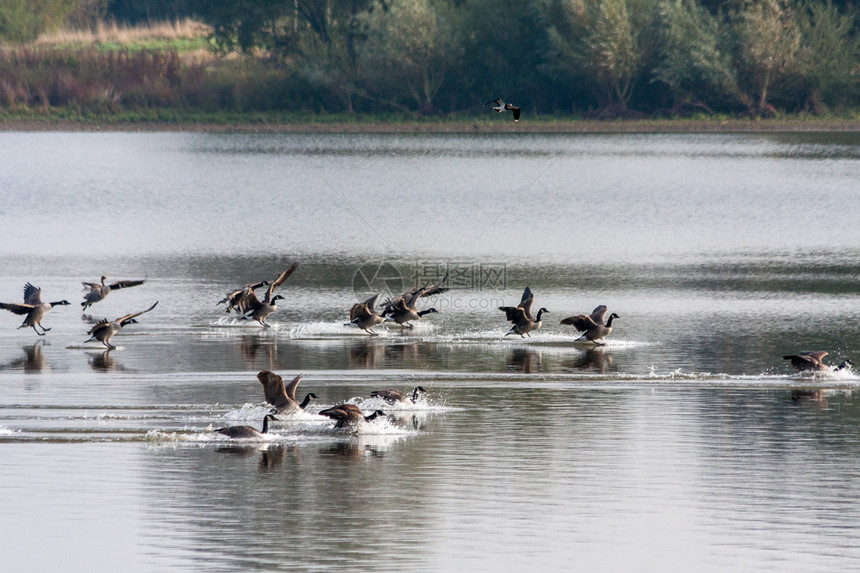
[[814, 362], [260, 310], [247, 432], [364, 315], [592, 325], [33, 307], [395, 396], [500, 106], [282, 396], [238, 299], [521, 315], [349, 415], [105, 329], [403, 309], [97, 291]]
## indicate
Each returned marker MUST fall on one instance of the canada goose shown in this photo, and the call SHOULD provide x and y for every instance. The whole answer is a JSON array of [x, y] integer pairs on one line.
[[238, 299], [814, 362], [364, 315], [33, 307], [258, 310], [247, 432], [521, 315], [592, 325], [105, 329], [402, 309], [349, 415], [395, 396], [97, 292], [282, 396], [501, 106]]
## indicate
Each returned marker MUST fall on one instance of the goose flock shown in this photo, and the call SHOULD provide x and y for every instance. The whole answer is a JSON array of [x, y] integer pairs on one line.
[[401, 310]]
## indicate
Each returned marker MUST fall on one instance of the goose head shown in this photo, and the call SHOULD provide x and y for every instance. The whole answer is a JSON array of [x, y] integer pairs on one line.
[[540, 312], [611, 317], [61, 302], [277, 297]]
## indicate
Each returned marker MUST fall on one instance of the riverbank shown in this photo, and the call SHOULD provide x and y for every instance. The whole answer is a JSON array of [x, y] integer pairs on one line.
[[497, 125]]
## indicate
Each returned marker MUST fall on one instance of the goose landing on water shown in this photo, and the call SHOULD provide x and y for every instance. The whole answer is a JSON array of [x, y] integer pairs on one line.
[[282, 396], [349, 415], [403, 309], [247, 432], [97, 292], [592, 325], [238, 299], [364, 315], [394, 396], [521, 315], [105, 329], [500, 106], [33, 307], [260, 310], [814, 362]]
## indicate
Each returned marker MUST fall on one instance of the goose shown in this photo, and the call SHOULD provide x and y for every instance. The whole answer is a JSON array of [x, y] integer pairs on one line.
[[592, 325], [282, 396], [260, 310], [238, 299], [521, 316], [349, 415], [364, 315], [105, 329], [33, 307], [402, 309], [814, 362], [395, 396], [97, 292], [247, 432], [501, 106]]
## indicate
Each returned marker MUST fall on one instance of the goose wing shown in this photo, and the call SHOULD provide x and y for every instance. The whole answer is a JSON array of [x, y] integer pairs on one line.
[[818, 355], [526, 302], [290, 388], [514, 109], [581, 322], [515, 314], [98, 327], [17, 308], [390, 396], [32, 294], [273, 389], [126, 283], [495, 101], [280, 280], [134, 314], [598, 315]]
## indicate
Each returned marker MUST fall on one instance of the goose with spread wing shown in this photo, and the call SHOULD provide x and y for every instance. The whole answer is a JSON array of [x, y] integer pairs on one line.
[[500, 106], [814, 362], [280, 395], [364, 315], [521, 316], [403, 309], [394, 396], [98, 291], [349, 415], [592, 325], [238, 299], [33, 308], [105, 329], [260, 310]]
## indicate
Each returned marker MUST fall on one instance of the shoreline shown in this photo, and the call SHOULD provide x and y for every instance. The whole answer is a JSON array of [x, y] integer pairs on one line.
[[442, 127]]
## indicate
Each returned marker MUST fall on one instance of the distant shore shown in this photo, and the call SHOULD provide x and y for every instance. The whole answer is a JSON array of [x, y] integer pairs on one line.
[[502, 125]]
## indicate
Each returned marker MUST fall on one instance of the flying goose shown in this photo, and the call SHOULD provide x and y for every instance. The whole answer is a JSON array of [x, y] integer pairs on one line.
[[97, 292], [349, 415], [814, 362], [501, 106], [33, 307], [105, 329], [592, 325], [364, 315], [282, 396], [521, 315], [395, 396], [402, 309], [247, 432], [260, 310], [238, 299]]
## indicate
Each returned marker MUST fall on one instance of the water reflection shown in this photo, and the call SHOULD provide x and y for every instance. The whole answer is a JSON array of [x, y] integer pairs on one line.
[[525, 360], [33, 360], [104, 362], [597, 359]]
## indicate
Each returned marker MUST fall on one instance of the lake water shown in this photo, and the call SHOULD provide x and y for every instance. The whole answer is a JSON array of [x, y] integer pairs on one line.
[[684, 443]]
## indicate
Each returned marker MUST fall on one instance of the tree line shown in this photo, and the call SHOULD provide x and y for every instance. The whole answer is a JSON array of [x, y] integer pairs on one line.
[[601, 58]]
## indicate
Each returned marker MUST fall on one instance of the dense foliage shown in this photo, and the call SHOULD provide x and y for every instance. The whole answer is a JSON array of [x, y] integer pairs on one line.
[[605, 58]]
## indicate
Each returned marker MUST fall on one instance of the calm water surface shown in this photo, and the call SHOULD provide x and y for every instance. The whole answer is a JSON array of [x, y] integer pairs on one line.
[[684, 443]]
